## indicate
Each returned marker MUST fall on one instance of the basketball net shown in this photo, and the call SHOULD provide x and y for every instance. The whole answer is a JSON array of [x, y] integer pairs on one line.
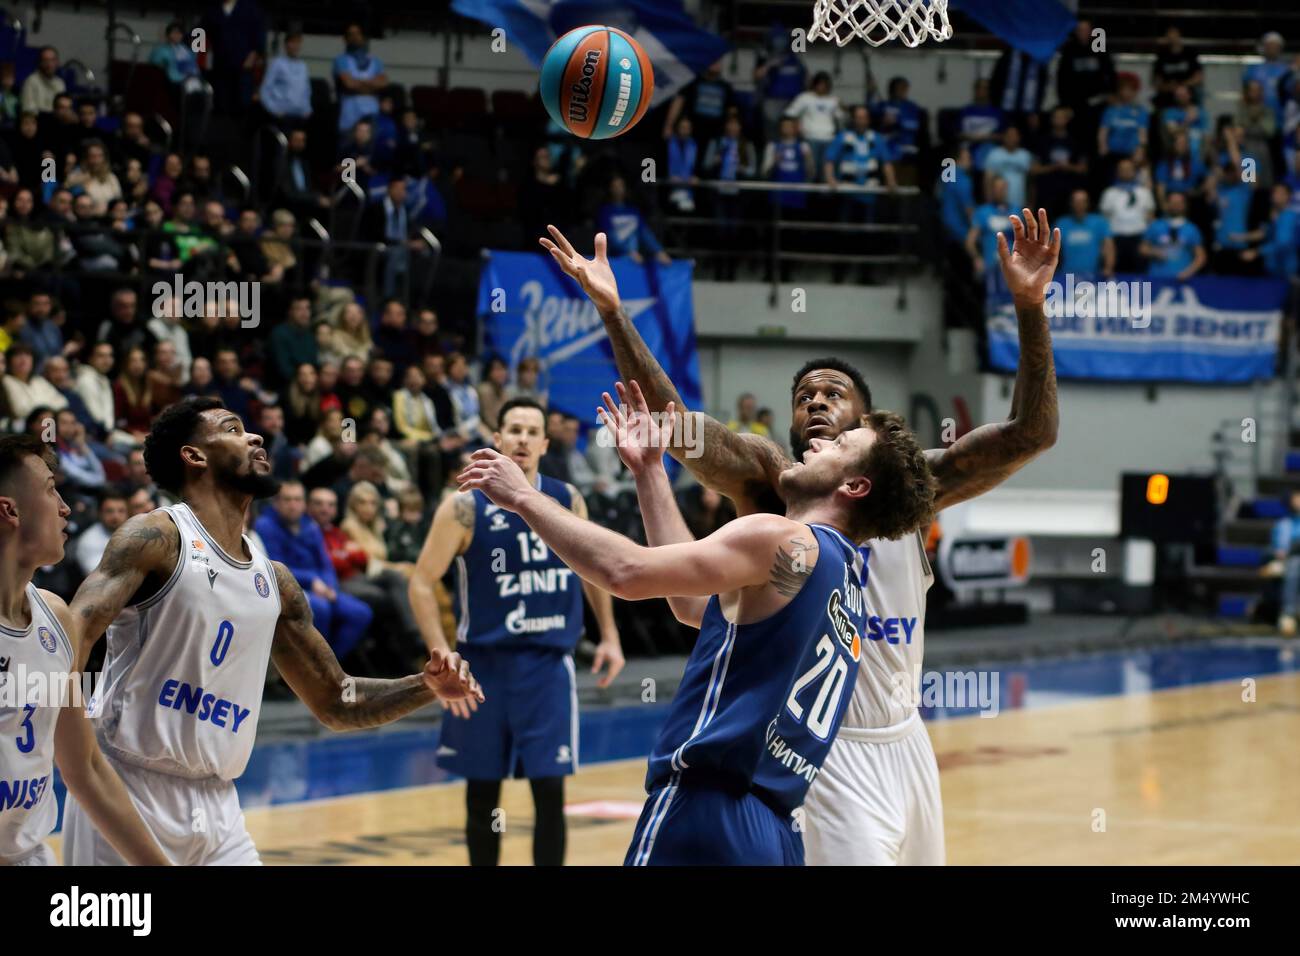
[[879, 21]]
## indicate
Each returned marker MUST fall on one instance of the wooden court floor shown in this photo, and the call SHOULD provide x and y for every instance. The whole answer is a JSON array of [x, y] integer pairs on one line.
[[1192, 775]]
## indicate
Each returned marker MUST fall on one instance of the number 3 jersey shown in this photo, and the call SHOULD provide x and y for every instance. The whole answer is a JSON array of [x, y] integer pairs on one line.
[[759, 704], [35, 666], [511, 589], [183, 676]]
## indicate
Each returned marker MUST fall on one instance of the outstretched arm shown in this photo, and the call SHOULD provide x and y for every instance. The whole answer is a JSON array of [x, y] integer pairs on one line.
[[145, 545], [340, 702], [641, 442], [739, 554], [741, 466], [989, 455]]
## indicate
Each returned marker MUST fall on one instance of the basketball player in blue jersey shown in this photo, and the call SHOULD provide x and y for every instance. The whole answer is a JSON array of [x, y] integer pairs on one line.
[[767, 683], [194, 612], [518, 609], [40, 722], [877, 798]]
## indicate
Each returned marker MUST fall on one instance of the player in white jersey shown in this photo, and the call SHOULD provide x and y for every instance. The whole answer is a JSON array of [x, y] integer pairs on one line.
[[40, 722], [196, 612], [876, 799]]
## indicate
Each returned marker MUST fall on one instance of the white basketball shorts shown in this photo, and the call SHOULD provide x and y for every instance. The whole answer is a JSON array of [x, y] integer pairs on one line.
[[876, 801], [196, 822]]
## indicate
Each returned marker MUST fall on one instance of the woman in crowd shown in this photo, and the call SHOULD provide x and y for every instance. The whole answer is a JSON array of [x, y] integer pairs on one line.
[[133, 398], [95, 178], [352, 336], [364, 524]]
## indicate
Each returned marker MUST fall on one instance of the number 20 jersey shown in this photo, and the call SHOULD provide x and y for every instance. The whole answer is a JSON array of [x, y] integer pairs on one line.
[[182, 685], [759, 704]]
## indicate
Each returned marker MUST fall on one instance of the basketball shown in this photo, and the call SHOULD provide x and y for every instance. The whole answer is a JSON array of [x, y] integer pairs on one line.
[[596, 82]]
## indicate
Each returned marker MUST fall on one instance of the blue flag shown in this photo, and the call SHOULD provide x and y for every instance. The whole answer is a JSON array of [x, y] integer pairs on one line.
[[1211, 329], [1035, 27], [677, 48], [529, 308]]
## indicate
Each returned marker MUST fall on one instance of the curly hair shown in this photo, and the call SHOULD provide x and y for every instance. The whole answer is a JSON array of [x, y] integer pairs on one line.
[[902, 486], [171, 431]]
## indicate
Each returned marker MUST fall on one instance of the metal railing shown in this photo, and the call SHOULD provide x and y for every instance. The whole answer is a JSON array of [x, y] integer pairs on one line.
[[761, 230]]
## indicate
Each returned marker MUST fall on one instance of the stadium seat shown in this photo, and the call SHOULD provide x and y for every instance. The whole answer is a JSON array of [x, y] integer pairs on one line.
[[144, 88], [467, 109], [430, 103], [1237, 606], [518, 115], [471, 150], [1239, 557], [514, 106]]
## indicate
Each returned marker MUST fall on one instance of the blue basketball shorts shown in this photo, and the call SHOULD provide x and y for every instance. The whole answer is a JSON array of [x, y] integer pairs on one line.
[[683, 824], [528, 724]]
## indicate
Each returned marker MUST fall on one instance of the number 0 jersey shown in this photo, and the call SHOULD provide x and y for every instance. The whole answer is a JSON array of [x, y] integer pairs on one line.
[[760, 703], [35, 664], [185, 668], [511, 589]]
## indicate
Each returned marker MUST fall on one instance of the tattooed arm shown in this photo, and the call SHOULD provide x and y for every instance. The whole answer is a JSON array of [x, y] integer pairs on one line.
[[143, 551], [449, 535], [340, 702], [737, 555], [989, 455], [743, 467]]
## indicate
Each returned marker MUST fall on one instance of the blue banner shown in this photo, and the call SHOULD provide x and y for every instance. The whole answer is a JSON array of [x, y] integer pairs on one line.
[[677, 48], [529, 308], [1211, 329], [1036, 27]]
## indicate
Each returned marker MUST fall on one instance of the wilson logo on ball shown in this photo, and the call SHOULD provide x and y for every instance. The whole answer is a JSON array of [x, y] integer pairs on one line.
[[596, 82]]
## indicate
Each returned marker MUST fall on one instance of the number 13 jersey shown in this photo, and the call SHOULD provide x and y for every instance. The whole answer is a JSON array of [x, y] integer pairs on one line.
[[185, 668]]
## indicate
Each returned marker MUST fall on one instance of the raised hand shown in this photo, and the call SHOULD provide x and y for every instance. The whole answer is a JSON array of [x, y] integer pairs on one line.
[[496, 476], [641, 437], [1030, 266], [594, 275]]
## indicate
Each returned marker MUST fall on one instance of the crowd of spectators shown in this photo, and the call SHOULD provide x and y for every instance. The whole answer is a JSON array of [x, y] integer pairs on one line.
[[367, 402], [1140, 179]]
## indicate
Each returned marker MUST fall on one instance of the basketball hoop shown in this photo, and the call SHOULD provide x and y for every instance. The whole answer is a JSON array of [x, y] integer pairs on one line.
[[879, 21]]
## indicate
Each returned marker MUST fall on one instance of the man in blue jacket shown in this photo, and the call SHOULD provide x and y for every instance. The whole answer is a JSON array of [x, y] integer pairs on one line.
[[295, 540]]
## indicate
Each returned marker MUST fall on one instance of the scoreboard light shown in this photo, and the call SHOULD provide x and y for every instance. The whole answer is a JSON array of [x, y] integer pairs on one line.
[[1164, 507], [1158, 489]]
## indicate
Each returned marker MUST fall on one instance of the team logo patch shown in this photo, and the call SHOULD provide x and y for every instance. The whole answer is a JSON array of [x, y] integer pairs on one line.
[[499, 523], [47, 640], [259, 582], [844, 629], [198, 545]]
